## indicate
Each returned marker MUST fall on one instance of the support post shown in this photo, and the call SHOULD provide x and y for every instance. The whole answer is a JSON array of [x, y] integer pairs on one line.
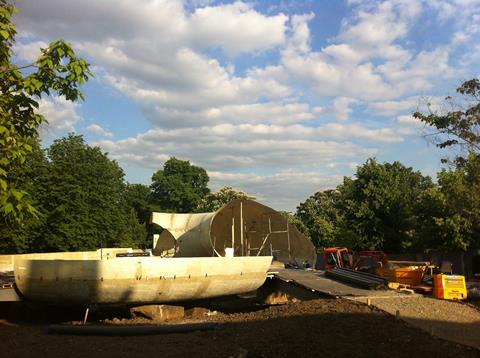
[[241, 225], [288, 240], [233, 233], [85, 317]]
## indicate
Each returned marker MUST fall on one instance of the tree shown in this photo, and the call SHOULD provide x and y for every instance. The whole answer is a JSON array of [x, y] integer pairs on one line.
[[379, 206], [461, 125], [456, 222], [80, 198], [180, 186], [321, 216], [16, 235], [133, 233], [214, 201], [293, 219], [57, 71], [139, 197]]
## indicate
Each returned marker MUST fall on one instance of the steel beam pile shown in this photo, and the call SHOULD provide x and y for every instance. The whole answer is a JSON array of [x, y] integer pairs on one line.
[[357, 278]]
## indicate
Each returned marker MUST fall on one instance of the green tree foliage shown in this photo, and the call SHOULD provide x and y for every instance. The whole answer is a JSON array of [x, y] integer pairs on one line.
[[377, 209], [461, 125], [138, 197], [295, 220], [180, 187], [133, 233], [379, 206], [16, 236], [57, 71], [214, 201], [454, 208], [453, 212], [80, 198], [321, 216]]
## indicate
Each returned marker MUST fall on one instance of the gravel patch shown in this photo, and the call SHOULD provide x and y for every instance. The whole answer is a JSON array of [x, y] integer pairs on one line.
[[455, 321]]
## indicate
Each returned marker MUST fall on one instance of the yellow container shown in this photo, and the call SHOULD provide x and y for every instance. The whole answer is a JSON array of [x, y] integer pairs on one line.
[[407, 275], [449, 287]]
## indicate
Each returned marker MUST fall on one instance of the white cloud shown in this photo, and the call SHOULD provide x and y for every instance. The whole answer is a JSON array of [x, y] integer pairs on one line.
[[154, 51], [98, 130], [270, 112], [29, 51], [368, 60], [389, 108], [375, 30], [271, 188], [410, 125], [61, 116], [236, 28], [300, 38], [341, 107], [233, 147], [239, 91]]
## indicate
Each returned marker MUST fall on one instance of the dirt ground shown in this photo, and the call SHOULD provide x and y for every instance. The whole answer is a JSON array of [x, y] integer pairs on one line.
[[450, 320], [326, 327]]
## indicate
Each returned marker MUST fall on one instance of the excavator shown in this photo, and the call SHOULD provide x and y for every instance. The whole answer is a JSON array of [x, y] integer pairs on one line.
[[363, 260]]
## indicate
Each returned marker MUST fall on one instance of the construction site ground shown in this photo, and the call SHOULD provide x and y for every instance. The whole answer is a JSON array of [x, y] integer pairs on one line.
[[315, 280], [455, 321], [323, 326]]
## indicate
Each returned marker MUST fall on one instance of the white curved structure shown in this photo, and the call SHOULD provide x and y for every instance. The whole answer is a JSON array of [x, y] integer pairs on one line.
[[250, 228], [135, 279]]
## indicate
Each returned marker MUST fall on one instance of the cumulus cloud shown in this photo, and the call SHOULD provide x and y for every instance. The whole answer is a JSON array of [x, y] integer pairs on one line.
[[368, 59], [389, 108], [341, 107], [239, 147], [62, 115], [99, 130], [238, 90], [272, 188], [236, 28], [29, 51]]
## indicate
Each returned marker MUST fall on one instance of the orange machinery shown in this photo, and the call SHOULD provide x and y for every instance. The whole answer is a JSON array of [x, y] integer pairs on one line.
[[404, 272]]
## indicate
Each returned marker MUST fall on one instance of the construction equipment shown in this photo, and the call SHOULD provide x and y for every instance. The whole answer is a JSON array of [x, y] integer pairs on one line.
[[369, 260], [337, 257], [449, 287], [407, 273], [377, 262], [364, 260]]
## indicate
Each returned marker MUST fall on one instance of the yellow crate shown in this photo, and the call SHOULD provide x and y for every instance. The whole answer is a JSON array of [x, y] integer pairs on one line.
[[449, 287]]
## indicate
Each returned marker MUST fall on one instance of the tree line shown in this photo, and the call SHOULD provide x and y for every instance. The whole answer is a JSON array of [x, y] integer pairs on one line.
[[392, 207], [83, 201]]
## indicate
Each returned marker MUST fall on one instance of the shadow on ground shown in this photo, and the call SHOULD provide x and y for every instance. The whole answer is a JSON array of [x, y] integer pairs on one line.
[[323, 327]]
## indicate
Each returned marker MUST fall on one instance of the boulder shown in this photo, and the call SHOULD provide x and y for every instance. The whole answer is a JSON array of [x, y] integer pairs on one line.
[[158, 312], [197, 312]]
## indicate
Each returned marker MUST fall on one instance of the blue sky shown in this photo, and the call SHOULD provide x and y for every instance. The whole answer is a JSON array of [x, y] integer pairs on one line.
[[276, 98]]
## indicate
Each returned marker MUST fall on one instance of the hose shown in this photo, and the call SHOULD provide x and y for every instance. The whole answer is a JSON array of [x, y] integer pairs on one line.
[[129, 330]]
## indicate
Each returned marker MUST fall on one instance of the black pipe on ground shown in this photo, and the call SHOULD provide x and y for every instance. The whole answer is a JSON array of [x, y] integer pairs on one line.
[[129, 330]]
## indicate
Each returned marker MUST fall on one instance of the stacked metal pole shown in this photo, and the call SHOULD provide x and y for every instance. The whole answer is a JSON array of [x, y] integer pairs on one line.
[[357, 278]]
